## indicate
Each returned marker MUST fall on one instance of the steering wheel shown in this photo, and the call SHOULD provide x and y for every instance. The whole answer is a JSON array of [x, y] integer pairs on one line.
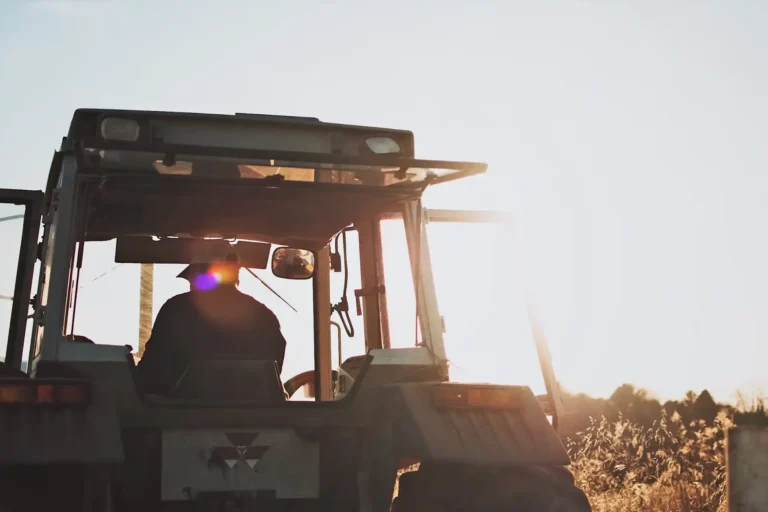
[[296, 382], [79, 338]]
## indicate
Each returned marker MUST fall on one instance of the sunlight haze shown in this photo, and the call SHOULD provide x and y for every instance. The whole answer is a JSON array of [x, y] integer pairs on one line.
[[627, 138]]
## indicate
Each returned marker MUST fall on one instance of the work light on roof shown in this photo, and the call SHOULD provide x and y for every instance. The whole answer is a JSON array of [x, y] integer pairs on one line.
[[118, 128], [382, 145]]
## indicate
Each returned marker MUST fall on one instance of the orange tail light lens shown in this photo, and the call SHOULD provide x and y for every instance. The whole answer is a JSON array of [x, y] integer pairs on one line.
[[481, 398], [44, 393]]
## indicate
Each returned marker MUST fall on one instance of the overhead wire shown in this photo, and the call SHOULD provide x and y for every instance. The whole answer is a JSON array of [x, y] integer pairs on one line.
[[99, 276]]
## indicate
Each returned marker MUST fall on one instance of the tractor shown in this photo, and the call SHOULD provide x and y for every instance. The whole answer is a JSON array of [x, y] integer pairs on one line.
[[382, 430]]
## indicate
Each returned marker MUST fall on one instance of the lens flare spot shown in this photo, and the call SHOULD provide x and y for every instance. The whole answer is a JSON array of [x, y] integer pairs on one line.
[[206, 281]]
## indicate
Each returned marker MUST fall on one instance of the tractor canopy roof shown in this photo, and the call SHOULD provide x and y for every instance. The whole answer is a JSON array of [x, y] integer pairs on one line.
[[285, 180]]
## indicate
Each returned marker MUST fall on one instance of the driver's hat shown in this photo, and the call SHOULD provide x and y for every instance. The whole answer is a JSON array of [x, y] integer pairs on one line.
[[229, 263]]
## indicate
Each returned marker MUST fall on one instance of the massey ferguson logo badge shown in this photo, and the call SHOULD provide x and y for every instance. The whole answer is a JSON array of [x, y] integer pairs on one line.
[[241, 449]]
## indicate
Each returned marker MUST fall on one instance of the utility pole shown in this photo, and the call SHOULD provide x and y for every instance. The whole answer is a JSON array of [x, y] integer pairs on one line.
[[146, 291]]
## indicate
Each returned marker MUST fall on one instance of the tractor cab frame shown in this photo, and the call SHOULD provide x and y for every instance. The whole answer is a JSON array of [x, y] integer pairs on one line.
[[168, 186]]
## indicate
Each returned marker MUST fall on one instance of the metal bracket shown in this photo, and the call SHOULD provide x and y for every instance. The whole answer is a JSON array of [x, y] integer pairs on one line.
[[367, 292], [39, 315]]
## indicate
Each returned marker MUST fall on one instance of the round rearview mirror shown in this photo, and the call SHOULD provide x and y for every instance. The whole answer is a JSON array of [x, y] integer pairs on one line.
[[290, 263]]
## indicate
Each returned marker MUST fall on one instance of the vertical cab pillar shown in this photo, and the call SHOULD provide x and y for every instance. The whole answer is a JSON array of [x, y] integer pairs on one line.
[[323, 358], [368, 229]]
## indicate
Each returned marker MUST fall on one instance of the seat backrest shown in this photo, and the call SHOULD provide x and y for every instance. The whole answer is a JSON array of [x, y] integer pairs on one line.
[[231, 378]]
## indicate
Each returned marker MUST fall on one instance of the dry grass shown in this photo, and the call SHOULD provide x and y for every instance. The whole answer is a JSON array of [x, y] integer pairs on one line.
[[668, 467]]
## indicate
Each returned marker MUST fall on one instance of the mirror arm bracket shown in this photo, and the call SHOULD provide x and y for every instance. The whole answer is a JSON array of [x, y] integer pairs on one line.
[[342, 309], [367, 292]]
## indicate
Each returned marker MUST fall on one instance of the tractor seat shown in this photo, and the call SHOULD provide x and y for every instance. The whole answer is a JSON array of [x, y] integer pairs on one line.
[[229, 378]]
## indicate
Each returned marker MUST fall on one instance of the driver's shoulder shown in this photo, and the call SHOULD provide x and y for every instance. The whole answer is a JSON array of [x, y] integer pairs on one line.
[[178, 301], [259, 306]]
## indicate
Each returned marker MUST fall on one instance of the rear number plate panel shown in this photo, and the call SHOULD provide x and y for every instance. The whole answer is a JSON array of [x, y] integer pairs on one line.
[[273, 461]]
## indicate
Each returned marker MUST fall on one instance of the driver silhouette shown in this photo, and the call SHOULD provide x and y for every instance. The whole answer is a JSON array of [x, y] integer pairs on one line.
[[213, 318]]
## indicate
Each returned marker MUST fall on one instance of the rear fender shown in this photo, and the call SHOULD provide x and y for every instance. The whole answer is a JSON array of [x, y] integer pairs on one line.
[[66, 433], [499, 425]]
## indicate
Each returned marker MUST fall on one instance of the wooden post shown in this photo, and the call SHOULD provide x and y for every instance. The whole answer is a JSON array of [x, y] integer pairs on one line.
[[747, 467], [146, 290]]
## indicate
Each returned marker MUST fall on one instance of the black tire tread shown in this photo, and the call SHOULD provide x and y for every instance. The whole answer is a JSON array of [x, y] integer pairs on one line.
[[473, 489]]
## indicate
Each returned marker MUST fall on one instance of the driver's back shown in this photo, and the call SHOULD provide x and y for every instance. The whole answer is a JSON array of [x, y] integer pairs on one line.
[[199, 325]]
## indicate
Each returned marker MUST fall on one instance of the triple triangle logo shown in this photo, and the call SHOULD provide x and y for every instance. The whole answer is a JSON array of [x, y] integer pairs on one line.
[[241, 449]]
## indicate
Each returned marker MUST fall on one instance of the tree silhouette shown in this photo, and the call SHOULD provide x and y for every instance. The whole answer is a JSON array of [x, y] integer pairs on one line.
[[705, 408], [623, 398], [671, 407], [689, 399], [638, 406], [633, 404]]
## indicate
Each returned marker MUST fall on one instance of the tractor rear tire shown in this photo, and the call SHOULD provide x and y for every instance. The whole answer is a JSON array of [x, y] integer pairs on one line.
[[462, 489]]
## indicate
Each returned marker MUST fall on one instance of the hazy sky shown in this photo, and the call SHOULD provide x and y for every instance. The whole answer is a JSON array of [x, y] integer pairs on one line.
[[626, 137]]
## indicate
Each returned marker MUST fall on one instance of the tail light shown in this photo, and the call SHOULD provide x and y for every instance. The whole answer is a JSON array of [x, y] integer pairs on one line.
[[466, 397], [44, 393]]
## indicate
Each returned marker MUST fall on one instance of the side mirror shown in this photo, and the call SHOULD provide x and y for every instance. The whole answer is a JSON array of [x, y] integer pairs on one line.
[[290, 263]]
